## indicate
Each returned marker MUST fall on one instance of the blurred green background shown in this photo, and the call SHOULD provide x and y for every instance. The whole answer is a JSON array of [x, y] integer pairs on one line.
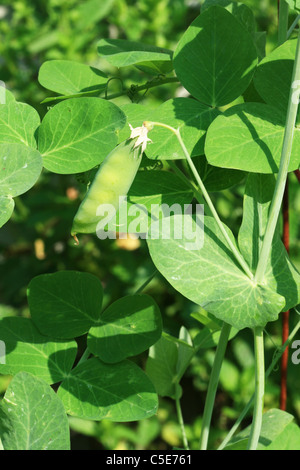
[[37, 238]]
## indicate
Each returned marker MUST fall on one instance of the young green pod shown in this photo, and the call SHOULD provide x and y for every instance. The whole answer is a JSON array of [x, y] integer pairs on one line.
[[112, 182]]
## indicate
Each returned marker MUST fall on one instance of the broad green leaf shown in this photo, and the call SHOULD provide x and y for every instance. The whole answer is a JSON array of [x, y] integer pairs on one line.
[[287, 440], [18, 124], [190, 117], [155, 67], [294, 4], [260, 41], [161, 366], [27, 350], [135, 114], [21, 167], [118, 392], [209, 275], [126, 328], [121, 53], [167, 362], [65, 304], [217, 179], [32, 416], [6, 209], [249, 137], [78, 134], [241, 12], [67, 77], [159, 187], [207, 319], [153, 195], [6, 96], [275, 424], [279, 64], [280, 274], [215, 59]]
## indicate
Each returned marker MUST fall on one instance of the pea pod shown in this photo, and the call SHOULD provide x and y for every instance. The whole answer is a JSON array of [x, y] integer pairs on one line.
[[112, 181]]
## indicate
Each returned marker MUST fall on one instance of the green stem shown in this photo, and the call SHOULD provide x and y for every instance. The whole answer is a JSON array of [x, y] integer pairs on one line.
[[142, 287], [137, 88], [213, 385], [180, 418], [283, 22], [207, 198], [132, 90], [270, 369], [185, 179], [259, 388], [293, 26], [283, 171]]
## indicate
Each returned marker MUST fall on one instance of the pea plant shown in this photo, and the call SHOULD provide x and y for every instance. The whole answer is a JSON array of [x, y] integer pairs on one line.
[[237, 125]]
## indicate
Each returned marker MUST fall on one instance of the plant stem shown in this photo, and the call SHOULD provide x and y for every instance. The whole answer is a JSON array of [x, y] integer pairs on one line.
[[213, 384], [207, 198], [295, 23], [142, 287], [137, 88], [285, 315], [283, 172], [259, 389], [185, 179], [180, 418], [276, 357], [283, 21]]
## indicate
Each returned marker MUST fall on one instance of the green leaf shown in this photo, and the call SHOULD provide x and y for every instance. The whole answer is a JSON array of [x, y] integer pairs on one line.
[[275, 425], [161, 366], [279, 64], [78, 134], [65, 304], [167, 362], [27, 350], [6, 209], [152, 194], [215, 59], [6, 96], [217, 179], [68, 78], [280, 274], [119, 392], [294, 4], [241, 12], [159, 187], [249, 137], [135, 114], [121, 53], [127, 327], [20, 168], [32, 417], [18, 124], [209, 276], [190, 117]]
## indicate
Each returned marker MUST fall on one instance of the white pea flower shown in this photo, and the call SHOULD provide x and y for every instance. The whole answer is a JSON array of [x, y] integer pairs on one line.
[[142, 134]]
